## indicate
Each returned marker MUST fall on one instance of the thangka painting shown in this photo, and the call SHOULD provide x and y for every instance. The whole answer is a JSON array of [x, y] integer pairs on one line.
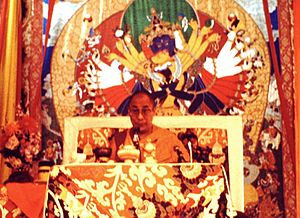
[[192, 57], [195, 58]]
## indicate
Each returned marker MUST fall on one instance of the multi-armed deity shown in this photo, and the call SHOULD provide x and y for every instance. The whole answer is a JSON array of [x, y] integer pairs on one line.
[[190, 63]]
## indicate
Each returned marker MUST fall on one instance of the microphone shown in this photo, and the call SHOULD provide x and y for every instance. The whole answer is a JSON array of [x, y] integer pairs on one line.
[[136, 138], [191, 151]]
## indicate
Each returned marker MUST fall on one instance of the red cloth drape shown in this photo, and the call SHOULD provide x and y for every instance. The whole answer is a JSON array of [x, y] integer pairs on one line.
[[51, 4], [297, 98], [285, 77], [286, 111], [3, 15], [32, 65]]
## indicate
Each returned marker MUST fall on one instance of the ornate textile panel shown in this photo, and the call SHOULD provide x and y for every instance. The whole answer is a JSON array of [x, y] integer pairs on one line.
[[296, 5], [33, 56], [140, 190], [287, 77]]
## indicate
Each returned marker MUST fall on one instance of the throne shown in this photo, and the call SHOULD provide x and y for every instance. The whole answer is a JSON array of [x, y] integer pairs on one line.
[[222, 134]]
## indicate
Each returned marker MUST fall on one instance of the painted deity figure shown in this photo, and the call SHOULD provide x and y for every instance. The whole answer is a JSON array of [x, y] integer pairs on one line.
[[181, 69]]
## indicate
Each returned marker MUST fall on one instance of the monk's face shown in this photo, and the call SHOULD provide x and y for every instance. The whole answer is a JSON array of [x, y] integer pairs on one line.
[[141, 112]]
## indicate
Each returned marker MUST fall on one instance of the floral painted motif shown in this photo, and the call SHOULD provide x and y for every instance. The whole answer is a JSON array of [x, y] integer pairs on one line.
[[140, 190]]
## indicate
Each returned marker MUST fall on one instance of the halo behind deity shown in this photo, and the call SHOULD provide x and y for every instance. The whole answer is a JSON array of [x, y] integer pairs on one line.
[[137, 14]]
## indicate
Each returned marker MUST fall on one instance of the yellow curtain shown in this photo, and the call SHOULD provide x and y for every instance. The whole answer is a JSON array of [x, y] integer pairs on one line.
[[9, 69]]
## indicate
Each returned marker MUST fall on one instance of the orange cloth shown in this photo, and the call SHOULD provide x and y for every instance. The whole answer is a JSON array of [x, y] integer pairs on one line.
[[164, 140], [29, 197]]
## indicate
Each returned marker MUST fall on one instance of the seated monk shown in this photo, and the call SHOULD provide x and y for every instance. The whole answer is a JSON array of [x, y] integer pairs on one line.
[[168, 148]]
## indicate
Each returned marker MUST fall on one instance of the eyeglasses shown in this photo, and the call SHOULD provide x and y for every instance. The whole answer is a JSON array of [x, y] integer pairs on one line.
[[146, 111]]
